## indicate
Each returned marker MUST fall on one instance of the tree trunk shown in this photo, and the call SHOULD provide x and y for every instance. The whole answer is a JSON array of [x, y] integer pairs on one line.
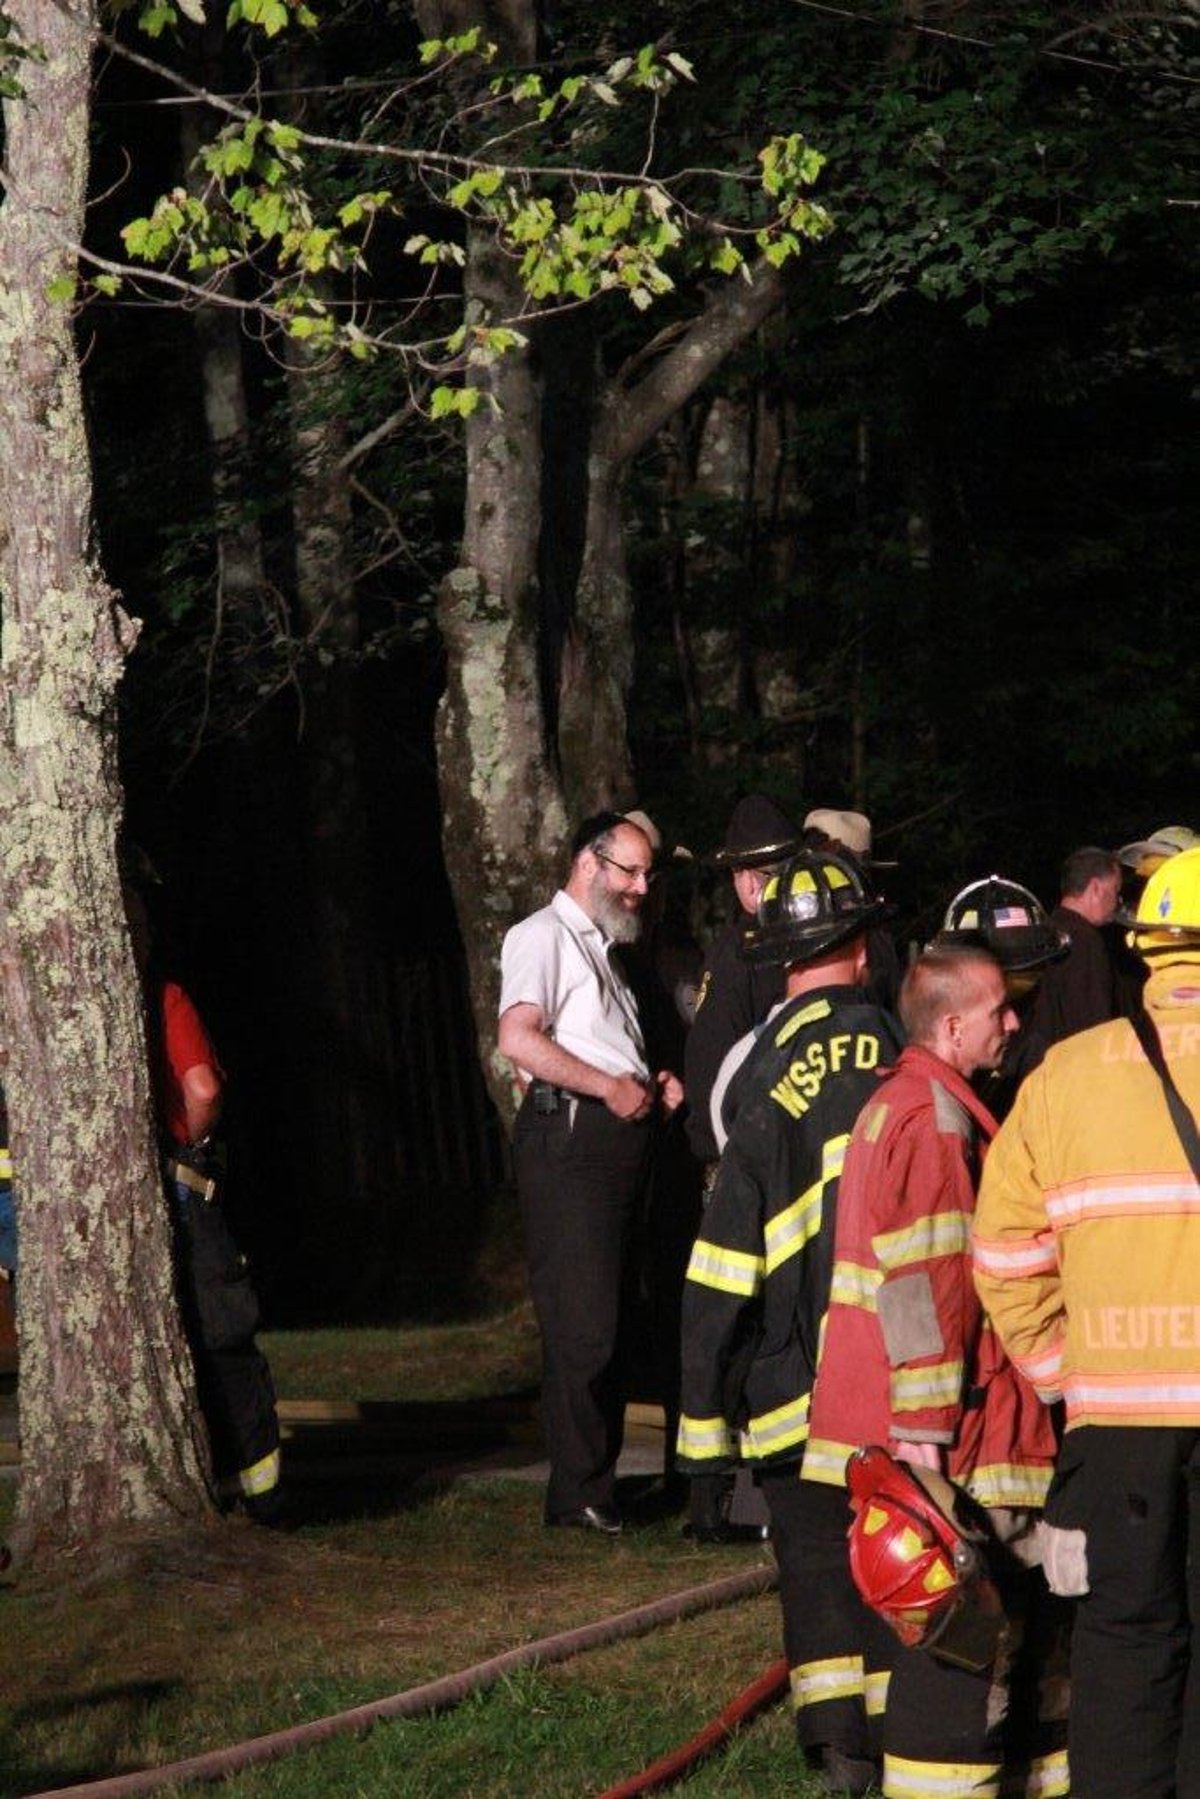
[[241, 578], [503, 817], [511, 776], [353, 1150], [110, 1429], [597, 666]]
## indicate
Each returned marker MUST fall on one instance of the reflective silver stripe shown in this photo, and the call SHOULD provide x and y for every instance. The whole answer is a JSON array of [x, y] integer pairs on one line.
[[1030, 1255], [815, 1683], [1154, 1393], [915, 1388], [825, 1460], [876, 1690], [780, 1429], [1103, 1198], [261, 1477], [1005, 1483], [1049, 1776], [704, 1439], [728, 1270], [854, 1285], [940, 1780], [941, 1234], [799, 1222]]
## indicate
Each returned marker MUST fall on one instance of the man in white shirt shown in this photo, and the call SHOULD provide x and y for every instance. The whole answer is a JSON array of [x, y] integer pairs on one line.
[[569, 1022]]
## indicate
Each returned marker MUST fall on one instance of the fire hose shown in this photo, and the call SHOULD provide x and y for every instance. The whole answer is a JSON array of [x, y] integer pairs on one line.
[[435, 1695], [716, 1733]]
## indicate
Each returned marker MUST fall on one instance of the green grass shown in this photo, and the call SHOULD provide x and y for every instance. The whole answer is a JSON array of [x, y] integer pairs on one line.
[[391, 1579], [497, 1355]]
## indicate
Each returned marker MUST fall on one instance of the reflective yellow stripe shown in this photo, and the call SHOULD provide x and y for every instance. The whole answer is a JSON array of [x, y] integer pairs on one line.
[[941, 1234], [1006, 1483], [261, 1477], [914, 1389], [816, 1683], [820, 1008], [704, 1439], [798, 1224], [904, 1779], [1049, 1776], [728, 1270], [825, 1460], [854, 1285], [781, 1429], [873, 1120], [5, 1165], [876, 1689]]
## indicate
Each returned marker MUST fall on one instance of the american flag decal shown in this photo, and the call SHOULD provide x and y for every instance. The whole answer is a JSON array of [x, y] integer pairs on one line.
[[1010, 915]]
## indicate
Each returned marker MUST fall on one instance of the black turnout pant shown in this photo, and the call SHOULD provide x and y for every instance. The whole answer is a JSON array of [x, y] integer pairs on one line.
[[839, 1653], [579, 1172], [1135, 1668]]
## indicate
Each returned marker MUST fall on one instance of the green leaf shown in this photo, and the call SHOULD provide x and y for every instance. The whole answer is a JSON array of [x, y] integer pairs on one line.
[[63, 287]]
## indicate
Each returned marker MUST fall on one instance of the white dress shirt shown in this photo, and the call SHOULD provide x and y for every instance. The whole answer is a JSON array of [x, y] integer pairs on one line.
[[558, 960]]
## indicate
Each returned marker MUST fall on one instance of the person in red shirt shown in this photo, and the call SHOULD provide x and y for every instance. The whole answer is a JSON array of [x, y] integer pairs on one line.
[[217, 1300]]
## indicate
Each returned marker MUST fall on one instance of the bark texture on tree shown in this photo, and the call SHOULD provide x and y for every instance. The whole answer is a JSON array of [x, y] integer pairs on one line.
[[111, 1433], [241, 576], [503, 817], [511, 777], [597, 667]]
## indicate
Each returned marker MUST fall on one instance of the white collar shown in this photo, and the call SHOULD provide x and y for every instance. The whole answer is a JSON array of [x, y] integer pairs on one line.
[[573, 914]]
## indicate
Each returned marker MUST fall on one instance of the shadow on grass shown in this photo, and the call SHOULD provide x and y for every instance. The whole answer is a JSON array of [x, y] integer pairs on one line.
[[394, 1458], [24, 1770]]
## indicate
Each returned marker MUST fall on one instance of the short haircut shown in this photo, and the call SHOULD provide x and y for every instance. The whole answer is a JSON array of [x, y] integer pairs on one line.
[[596, 832], [940, 981], [1085, 865]]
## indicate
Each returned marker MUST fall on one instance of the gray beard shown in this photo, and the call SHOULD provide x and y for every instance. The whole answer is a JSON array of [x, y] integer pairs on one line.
[[613, 919]]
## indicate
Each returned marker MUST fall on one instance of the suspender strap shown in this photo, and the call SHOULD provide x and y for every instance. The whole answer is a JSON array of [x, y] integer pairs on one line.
[[1181, 1117]]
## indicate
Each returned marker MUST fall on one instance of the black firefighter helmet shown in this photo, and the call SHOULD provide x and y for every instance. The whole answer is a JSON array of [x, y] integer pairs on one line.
[[1007, 919], [816, 901]]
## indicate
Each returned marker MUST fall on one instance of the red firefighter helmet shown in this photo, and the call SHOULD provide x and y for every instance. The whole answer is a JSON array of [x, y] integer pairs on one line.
[[916, 1565]]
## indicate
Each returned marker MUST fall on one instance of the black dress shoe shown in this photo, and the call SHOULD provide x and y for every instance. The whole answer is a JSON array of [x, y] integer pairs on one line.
[[600, 1518]]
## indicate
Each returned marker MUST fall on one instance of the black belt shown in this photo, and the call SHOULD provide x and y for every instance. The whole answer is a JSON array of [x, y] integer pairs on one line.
[[547, 1099]]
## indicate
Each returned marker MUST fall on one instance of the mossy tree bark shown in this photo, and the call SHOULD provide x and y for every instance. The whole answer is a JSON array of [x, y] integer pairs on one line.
[[523, 751], [111, 1432]]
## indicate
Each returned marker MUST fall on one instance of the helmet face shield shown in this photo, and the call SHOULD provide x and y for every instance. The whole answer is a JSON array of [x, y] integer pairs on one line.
[[812, 904]]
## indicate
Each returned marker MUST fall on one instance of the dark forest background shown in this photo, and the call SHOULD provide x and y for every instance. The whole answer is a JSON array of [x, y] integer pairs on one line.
[[923, 546]]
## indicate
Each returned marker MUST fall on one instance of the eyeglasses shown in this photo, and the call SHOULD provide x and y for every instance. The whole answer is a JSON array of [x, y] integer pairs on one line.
[[631, 873]]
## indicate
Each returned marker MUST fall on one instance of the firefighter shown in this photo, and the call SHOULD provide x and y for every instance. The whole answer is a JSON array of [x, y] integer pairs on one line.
[[217, 1300], [758, 1286], [1011, 922], [1087, 1254], [909, 1361]]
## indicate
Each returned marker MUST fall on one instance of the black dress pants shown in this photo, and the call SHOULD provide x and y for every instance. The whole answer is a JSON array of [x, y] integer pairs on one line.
[[579, 1172]]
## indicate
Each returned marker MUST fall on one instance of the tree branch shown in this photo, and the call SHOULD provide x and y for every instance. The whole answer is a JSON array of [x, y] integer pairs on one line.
[[733, 313]]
